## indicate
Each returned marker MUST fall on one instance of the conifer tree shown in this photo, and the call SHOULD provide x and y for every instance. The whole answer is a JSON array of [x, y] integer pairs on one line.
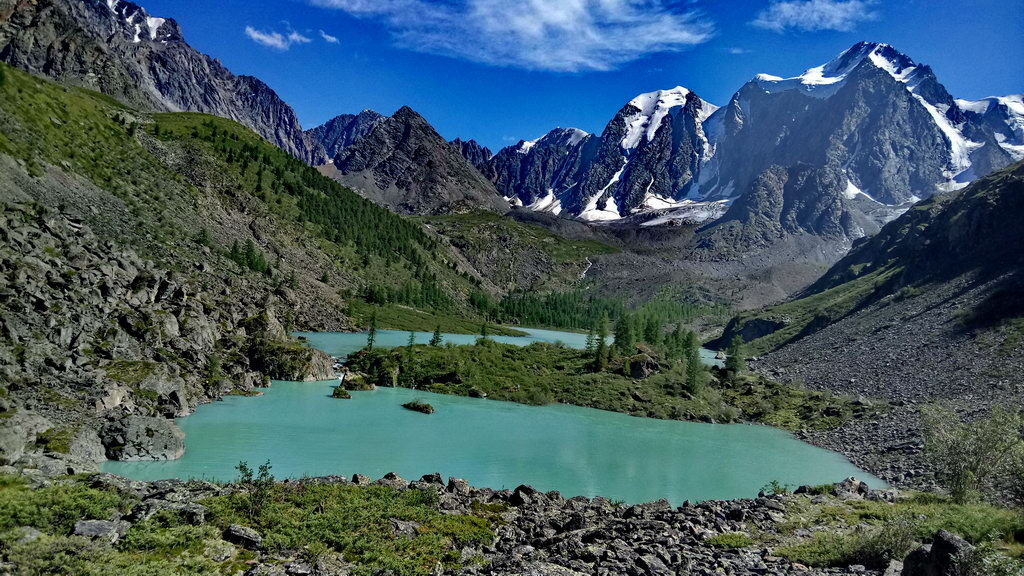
[[652, 331], [734, 361], [371, 334], [435, 340], [680, 344], [601, 346], [625, 340]]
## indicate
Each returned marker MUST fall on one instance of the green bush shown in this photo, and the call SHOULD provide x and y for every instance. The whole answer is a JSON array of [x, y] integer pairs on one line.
[[730, 540], [971, 458], [985, 560], [54, 509], [873, 547]]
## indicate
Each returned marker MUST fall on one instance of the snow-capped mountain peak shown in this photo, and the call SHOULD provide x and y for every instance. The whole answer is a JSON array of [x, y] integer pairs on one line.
[[652, 107], [823, 81]]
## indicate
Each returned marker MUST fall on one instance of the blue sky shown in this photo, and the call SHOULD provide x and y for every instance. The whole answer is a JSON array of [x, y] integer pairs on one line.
[[502, 70]]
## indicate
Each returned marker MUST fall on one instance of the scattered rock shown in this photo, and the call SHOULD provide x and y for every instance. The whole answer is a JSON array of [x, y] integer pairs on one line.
[[101, 529], [243, 536]]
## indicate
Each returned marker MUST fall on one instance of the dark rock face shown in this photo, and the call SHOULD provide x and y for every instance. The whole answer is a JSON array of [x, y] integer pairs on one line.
[[473, 152], [118, 49], [526, 172], [872, 130], [406, 165], [135, 438], [780, 202], [343, 131]]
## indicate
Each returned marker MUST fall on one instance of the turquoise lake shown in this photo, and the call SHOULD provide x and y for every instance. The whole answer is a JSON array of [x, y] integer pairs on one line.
[[578, 451]]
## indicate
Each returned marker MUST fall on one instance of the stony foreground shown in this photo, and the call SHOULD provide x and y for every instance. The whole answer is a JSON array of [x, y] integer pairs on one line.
[[535, 533]]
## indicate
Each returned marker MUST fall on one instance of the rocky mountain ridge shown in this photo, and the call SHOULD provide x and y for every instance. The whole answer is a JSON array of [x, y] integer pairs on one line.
[[117, 48]]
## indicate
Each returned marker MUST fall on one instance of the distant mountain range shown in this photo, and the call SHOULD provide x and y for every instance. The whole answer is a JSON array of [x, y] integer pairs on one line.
[[874, 128], [837, 151]]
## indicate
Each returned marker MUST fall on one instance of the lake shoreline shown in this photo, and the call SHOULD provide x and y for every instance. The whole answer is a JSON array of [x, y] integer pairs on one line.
[[676, 468]]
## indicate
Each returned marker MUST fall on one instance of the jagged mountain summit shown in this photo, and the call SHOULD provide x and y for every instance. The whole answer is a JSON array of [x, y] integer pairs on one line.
[[646, 159], [343, 131], [403, 163], [873, 130], [473, 151], [117, 48]]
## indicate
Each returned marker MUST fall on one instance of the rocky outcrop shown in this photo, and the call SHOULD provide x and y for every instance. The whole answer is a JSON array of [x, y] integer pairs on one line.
[[406, 165], [117, 48], [91, 331], [135, 438]]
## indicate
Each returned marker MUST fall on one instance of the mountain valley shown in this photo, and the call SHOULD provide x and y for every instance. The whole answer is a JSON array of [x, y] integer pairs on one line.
[[834, 256]]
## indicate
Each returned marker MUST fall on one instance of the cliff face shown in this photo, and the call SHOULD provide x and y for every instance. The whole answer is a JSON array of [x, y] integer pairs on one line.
[[116, 48]]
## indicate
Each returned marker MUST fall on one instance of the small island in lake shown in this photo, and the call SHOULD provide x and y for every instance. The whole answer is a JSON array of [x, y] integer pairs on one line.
[[340, 392], [417, 406]]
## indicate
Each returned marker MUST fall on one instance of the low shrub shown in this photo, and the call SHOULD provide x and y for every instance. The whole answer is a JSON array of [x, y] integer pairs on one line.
[[731, 540]]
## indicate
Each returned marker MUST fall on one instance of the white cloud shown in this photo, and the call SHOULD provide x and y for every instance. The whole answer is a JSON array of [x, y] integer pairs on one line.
[[328, 38], [276, 40], [813, 15], [563, 35], [737, 51]]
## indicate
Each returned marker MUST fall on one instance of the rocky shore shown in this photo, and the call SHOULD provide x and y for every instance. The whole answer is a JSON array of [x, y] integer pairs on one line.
[[535, 533]]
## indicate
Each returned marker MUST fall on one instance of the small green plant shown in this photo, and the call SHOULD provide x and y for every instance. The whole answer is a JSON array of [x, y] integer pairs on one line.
[[776, 488], [730, 540], [258, 488]]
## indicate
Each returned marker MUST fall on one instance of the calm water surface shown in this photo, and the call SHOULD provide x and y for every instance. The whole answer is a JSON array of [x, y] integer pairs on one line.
[[578, 451]]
